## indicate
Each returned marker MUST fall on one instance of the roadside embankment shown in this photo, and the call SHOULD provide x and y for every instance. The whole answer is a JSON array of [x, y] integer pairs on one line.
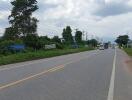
[[21, 57]]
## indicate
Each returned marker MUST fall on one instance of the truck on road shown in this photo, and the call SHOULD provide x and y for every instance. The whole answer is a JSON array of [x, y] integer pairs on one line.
[[106, 45]]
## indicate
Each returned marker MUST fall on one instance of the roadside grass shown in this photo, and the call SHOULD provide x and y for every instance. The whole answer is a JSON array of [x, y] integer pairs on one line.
[[128, 51], [21, 57]]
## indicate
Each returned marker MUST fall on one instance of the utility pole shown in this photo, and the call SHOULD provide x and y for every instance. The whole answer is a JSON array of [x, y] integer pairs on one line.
[[83, 35], [86, 36]]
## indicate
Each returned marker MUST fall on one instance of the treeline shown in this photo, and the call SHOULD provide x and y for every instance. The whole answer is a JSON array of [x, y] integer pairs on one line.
[[23, 30], [34, 42], [123, 41]]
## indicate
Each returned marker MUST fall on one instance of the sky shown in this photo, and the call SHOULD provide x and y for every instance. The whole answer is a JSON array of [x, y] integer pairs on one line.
[[105, 19]]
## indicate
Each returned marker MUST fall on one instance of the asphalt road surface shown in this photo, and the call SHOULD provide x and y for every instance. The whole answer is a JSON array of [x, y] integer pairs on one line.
[[92, 75]]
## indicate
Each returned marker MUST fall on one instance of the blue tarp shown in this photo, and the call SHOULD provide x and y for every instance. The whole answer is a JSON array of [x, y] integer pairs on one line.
[[17, 47]]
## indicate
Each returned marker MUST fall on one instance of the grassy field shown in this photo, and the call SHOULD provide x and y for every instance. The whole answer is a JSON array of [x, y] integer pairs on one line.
[[21, 57], [128, 51]]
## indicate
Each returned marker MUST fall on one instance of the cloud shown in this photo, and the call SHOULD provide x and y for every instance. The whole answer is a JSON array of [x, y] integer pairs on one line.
[[113, 8], [102, 18]]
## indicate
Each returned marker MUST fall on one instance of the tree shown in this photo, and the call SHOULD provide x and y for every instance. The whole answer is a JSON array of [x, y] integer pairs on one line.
[[92, 42], [122, 40], [56, 39], [45, 39], [1, 39], [32, 41], [4, 46], [58, 42], [10, 34], [78, 36], [21, 20], [67, 35]]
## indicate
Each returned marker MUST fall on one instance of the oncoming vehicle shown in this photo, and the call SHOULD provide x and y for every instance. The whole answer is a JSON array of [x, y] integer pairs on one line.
[[101, 47]]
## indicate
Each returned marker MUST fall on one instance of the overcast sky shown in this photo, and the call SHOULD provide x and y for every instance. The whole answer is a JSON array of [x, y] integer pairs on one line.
[[103, 18]]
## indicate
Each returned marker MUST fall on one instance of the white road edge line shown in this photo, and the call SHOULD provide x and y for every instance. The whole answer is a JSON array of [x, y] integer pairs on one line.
[[112, 81]]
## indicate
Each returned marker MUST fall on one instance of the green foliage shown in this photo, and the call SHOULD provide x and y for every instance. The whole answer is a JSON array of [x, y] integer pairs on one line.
[[4, 47], [59, 46], [20, 57], [56, 39], [67, 35], [45, 39], [92, 42], [1, 39], [32, 40], [10, 34], [78, 37], [122, 40], [36, 42], [128, 51], [18, 41], [20, 19]]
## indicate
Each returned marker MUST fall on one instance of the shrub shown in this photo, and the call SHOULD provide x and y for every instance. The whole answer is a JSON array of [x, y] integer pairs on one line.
[[31, 40], [4, 46], [59, 46]]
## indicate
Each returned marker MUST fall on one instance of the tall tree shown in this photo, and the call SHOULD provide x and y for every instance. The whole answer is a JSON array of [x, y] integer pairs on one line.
[[32, 41], [78, 36], [21, 19], [122, 40], [92, 42], [67, 35], [10, 34]]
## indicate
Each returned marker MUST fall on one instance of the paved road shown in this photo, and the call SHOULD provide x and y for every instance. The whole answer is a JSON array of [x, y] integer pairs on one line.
[[82, 76]]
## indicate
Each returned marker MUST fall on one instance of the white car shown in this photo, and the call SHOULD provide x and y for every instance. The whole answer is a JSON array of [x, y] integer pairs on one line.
[[101, 47]]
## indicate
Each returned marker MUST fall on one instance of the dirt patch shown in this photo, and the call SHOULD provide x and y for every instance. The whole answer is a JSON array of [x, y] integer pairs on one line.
[[129, 64]]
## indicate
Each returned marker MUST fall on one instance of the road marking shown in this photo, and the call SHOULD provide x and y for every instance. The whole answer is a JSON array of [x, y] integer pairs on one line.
[[53, 70], [31, 77], [112, 81], [42, 73], [29, 63]]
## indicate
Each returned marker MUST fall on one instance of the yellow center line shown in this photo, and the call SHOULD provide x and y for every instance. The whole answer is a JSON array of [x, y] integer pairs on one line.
[[53, 70], [39, 74], [31, 77]]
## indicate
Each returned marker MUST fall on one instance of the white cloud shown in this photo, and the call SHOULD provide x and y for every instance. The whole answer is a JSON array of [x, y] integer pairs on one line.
[[88, 15], [4, 14]]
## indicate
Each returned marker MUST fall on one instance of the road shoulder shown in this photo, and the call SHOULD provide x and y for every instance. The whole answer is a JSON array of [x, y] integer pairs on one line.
[[123, 77]]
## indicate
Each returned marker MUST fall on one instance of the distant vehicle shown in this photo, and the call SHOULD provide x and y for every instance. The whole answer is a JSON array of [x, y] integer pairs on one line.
[[101, 47], [106, 45]]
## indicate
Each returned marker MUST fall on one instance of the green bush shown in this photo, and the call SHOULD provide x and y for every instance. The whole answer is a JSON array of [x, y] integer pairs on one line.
[[36, 42], [20, 57], [32, 41], [59, 46], [4, 46]]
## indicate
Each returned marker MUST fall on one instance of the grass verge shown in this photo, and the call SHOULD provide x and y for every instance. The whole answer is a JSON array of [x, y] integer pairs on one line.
[[21, 57], [128, 51]]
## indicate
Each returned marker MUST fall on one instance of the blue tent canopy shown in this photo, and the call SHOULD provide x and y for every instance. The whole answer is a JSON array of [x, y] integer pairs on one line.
[[17, 47]]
